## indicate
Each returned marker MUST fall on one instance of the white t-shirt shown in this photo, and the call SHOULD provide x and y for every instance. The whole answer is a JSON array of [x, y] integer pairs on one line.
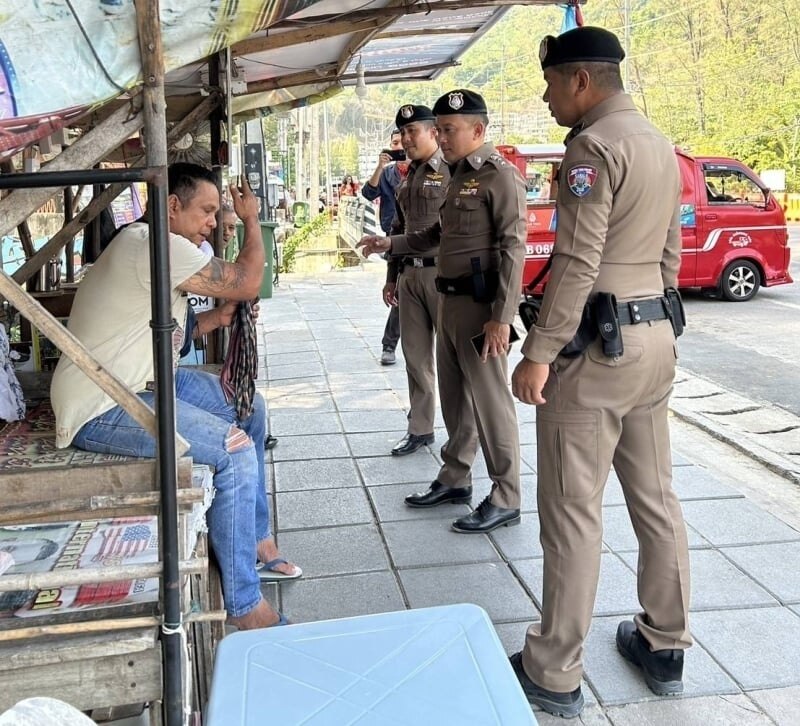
[[110, 316]]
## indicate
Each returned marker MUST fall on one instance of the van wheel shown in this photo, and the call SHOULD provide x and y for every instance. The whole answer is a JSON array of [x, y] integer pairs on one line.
[[740, 281]]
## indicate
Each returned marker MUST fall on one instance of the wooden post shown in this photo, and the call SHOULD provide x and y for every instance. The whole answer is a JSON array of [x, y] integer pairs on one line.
[[150, 48]]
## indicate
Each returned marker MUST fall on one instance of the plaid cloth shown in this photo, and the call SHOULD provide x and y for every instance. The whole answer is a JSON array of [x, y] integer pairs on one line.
[[240, 368]]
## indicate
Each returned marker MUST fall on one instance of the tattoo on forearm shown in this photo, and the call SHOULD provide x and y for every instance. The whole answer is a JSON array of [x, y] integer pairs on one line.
[[217, 277]]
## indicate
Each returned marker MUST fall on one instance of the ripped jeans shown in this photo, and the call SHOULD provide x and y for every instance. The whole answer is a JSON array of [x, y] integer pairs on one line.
[[239, 515]]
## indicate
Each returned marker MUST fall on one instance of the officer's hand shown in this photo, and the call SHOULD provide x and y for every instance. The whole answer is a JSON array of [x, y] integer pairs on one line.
[[245, 203], [372, 243], [528, 381], [390, 294], [496, 341]]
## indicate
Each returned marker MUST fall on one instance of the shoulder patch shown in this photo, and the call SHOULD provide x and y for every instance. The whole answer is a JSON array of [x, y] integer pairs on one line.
[[581, 179]]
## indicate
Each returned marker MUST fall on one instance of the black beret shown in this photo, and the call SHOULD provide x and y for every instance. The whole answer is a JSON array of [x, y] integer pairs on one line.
[[461, 101], [410, 113], [596, 45]]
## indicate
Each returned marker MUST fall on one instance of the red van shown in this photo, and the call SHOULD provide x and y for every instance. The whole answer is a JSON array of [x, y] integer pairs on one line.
[[733, 229]]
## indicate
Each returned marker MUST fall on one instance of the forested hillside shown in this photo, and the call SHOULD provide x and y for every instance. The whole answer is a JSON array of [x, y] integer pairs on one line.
[[717, 76]]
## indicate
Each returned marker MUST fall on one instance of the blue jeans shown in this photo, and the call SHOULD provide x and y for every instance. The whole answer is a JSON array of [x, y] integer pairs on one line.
[[239, 515]]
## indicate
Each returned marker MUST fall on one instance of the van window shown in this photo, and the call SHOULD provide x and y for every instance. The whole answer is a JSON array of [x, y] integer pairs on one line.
[[732, 186], [540, 180]]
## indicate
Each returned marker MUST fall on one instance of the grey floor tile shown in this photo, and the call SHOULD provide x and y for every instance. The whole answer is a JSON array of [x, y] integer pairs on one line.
[[616, 589], [736, 521], [432, 542], [780, 704], [275, 347], [616, 681], [370, 421], [768, 564], [680, 460], [358, 382], [490, 585], [388, 502], [294, 424], [378, 443], [512, 635], [527, 453], [619, 536], [612, 494], [296, 370], [795, 609], [721, 710], [312, 446], [349, 343], [341, 597], [716, 583], [336, 550], [315, 401], [308, 509], [369, 400], [759, 647], [695, 482], [348, 361], [519, 542], [315, 474], [292, 359], [420, 467]]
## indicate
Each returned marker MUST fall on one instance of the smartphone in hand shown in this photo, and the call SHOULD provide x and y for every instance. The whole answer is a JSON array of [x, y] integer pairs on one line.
[[395, 154], [479, 339]]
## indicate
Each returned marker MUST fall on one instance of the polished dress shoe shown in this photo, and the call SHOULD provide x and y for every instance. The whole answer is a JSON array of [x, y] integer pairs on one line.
[[270, 442], [486, 518], [663, 669], [410, 443], [565, 705], [438, 493]]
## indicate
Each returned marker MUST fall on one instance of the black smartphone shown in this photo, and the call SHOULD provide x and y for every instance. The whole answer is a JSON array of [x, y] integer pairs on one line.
[[479, 339], [396, 154]]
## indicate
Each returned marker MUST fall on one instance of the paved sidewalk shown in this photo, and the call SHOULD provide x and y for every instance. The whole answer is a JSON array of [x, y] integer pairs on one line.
[[338, 503]]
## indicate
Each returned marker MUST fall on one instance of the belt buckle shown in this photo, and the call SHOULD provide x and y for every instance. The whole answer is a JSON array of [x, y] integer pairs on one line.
[[418, 262]]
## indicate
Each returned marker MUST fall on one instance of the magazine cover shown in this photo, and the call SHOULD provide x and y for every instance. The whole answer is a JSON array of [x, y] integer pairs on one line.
[[78, 545]]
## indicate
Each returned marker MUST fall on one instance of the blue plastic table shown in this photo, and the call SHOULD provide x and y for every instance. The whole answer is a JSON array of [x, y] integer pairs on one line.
[[438, 666]]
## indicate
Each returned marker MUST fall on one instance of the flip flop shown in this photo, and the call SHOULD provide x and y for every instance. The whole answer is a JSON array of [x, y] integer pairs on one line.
[[267, 572]]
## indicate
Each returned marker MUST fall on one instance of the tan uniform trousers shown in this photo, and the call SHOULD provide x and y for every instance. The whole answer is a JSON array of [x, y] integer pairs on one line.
[[476, 403], [601, 411], [419, 306]]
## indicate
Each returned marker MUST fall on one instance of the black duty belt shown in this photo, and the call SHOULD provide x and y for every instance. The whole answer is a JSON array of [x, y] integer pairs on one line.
[[466, 286], [640, 311], [418, 261]]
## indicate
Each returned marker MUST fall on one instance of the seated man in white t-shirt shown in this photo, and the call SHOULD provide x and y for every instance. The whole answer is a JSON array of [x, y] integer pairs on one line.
[[111, 315]]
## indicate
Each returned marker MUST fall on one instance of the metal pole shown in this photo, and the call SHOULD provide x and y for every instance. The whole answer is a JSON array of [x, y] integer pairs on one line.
[[626, 66], [163, 325]]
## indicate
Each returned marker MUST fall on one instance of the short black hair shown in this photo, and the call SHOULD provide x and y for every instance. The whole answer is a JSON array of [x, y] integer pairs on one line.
[[182, 179], [605, 76]]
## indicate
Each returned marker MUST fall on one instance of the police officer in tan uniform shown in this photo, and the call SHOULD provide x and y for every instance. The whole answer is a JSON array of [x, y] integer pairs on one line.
[[481, 238], [411, 279], [618, 232]]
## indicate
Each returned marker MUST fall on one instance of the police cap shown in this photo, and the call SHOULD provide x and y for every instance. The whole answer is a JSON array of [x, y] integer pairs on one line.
[[596, 45], [410, 113], [461, 101]]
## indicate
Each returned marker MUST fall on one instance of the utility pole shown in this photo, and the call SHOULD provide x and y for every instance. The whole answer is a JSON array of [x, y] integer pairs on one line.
[[301, 130], [313, 161]]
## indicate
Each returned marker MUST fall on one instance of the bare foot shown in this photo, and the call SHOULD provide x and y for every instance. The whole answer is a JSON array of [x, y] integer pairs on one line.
[[267, 550], [262, 615]]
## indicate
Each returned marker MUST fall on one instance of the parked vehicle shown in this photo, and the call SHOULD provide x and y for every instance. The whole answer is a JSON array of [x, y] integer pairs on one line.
[[733, 230]]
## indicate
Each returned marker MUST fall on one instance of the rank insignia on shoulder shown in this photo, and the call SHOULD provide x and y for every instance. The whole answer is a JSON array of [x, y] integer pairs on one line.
[[581, 179]]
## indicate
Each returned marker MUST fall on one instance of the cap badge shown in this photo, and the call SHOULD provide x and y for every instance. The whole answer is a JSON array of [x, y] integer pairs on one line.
[[455, 100], [407, 111], [581, 179]]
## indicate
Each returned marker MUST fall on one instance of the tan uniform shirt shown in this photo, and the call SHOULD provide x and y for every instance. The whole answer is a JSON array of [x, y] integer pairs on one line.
[[617, 172], [483, 216], [419, 197]]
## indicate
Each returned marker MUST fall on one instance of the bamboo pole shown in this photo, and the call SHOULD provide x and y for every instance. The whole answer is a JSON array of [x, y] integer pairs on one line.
[[104, 626], [15, 513], [66, 578]]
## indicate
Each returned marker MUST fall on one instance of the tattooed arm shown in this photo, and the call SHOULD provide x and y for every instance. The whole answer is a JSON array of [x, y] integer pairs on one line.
[[239, 280]]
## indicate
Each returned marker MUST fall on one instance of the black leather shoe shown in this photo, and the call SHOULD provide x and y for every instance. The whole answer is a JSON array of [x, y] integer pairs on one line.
[[410, 443], [270, 442], [565, 705], [486, 518], [663, 669], [438, 493]]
